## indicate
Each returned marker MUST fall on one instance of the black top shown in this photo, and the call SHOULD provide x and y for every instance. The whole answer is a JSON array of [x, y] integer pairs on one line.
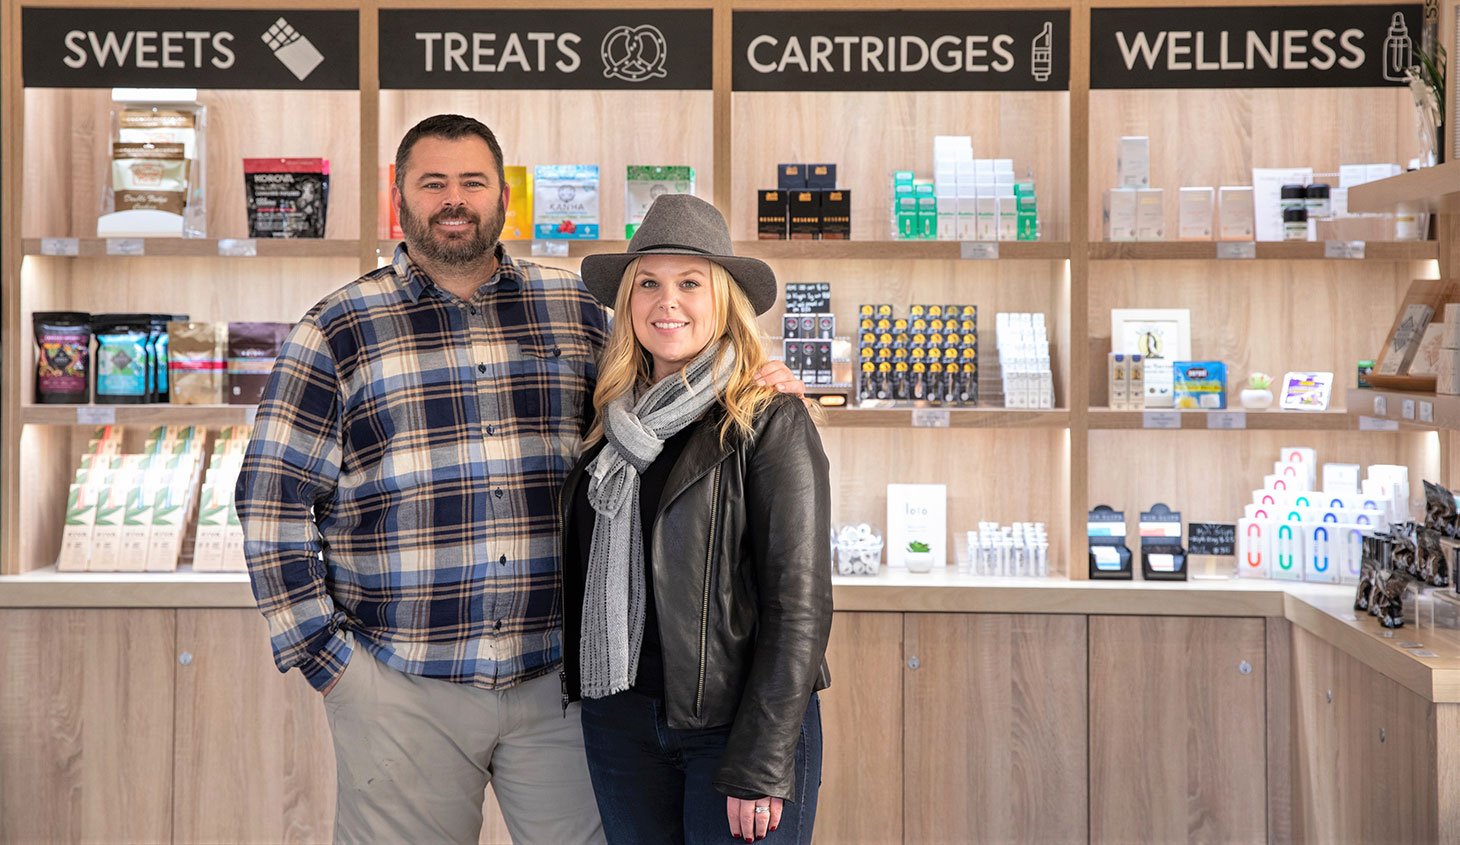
[[650, 680]]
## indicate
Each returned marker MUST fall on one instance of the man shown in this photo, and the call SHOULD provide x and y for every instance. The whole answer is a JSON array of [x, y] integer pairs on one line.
[[399, 501]]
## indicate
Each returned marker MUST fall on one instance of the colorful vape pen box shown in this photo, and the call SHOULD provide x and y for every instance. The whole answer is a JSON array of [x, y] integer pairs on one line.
[[1200, 384]]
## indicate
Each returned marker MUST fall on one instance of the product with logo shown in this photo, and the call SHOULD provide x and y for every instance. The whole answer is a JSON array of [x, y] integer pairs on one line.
[[565, 202], [122, 358], [517, 225], [1200, 385], [649, 182], [287, 197], [63, 341], [195, 362], [149, 177], [770, 221], [252, 348]]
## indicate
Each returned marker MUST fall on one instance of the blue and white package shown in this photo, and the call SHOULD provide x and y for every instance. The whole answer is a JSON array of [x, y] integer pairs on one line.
[[565, 202]]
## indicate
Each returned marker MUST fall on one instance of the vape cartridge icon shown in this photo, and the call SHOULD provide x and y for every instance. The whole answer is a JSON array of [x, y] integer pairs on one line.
[[292, 49], [1042, 62], [1398, 50]]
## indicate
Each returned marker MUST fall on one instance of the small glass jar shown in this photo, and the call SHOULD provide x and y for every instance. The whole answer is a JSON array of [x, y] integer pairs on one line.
[[1295, 224]]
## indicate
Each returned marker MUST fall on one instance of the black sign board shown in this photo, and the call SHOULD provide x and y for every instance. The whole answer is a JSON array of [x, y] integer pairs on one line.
[[658, 49], [190, 48], [901, 51], [808, 298], [1328, 46], [1211, 538]]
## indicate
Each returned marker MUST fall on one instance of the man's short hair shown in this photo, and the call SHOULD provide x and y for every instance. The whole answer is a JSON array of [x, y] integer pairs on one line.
[[450, 127]]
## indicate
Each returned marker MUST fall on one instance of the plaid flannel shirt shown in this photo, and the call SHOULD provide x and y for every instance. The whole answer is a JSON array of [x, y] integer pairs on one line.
[[401, 488]]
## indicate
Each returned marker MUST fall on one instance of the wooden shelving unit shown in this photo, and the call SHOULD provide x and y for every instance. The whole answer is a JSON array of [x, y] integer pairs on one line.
[[1418, 411], [1210, 251], [1105, 419], [209, 248], [1437, 188], [162, 414]]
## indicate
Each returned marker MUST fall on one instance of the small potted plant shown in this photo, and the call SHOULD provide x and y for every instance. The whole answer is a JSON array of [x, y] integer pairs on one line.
[[919, 557], [1257, 395]]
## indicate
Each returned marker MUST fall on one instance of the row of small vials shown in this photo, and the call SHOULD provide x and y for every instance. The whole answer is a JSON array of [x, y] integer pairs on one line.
[[1018, 550]]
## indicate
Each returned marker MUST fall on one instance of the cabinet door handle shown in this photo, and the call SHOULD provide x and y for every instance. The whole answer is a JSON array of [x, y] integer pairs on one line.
[[913, 663]]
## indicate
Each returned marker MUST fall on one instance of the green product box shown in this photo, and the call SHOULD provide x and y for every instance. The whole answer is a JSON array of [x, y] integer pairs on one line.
[[1023, 189], [923, 189], [907, 218], [1026, 205], [1028, 227], [1365, 367], [645, 183], [927, 218]]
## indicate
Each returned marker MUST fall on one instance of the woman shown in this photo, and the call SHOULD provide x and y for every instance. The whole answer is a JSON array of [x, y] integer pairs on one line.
[[697, 585]]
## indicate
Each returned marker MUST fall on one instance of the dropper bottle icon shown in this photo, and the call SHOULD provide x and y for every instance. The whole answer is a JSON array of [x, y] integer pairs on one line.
[[1398, 50], [1042, 62]]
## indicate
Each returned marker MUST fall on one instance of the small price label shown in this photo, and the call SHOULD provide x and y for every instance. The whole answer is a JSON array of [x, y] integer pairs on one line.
[[125, 246], [1343, 249], [550, 249], [1381, 406], [1367, 423], [980, 250], [238, 247], [1227, 420], [69, 247], [96, 415], [1161, 419], [1236, 249], [930, 418], [1406, 409], [1427, 412], [1424, 653]]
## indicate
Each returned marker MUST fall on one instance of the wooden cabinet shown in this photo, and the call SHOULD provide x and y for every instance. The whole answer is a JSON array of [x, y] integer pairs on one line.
[[1177, 739]]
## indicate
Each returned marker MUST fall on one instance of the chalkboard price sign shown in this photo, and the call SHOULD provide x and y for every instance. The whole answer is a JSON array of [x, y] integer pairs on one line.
[[1212, 538]]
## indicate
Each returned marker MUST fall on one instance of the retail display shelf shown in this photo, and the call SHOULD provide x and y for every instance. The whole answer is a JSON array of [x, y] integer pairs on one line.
[[196, 247], [183, 588], [160, 414], [1236, 418], [1209, 250], [956, 418], [824, 250], [1421, 411], [1437, 187]]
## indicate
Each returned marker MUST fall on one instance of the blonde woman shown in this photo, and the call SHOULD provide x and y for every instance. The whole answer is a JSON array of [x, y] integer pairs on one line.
[[697, 585]]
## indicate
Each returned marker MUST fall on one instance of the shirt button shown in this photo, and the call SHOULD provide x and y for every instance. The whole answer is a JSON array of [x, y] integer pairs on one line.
[[557, 352], [473, 309], [499, 492], [503, 560], [499, 625], [481, 368], [491, 429]]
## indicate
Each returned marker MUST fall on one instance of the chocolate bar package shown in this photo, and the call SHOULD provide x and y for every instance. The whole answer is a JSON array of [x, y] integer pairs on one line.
[[771, 219], [287, 197], [63, 356], [252, 349], [805, 215], [836, 215]]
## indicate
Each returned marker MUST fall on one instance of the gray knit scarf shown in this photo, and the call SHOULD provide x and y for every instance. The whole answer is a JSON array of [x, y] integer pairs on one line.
[[613, 598]]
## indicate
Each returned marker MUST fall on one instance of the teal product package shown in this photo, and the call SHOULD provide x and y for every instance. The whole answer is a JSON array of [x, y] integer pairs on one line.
[[1199, 385], [565, 202], [122, 358]]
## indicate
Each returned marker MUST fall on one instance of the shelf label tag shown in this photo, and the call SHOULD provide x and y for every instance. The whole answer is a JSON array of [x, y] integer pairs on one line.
[[1406, 409], [125, 246], [1381, 406], [1236, 249], [979, 250], [238, 247], [1161, 419], [1227, 420], [550, 249], [1343, 249], [930, 418], [1426, 412], [1367, 423], [69, 247], [96, 415]]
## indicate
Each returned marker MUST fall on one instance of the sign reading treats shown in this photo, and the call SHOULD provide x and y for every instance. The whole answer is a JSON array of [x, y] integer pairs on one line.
[[901, 51], [1318, 46], [659, 49], [190, 48]]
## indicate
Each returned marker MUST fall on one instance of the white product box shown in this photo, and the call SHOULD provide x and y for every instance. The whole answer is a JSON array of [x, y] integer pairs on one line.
[[1118, 214], [1321, 546], [76, 536], [967, 226], [1267, 186], [1150, 214], [947, 220], [966, 171], [1375, 172], [952, 148], [1235, 213], [1341, 479], [1254, 554], [1195, 206], [916, 512], [1351, 175], [1008, 218], [1133, 162], [1287, 551], [988, 217]]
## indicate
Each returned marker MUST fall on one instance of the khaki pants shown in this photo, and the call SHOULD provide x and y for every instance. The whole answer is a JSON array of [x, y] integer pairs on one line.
[[414, 756]]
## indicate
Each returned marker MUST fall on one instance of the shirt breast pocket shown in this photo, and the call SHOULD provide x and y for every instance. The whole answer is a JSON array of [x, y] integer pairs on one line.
[[550, 382]]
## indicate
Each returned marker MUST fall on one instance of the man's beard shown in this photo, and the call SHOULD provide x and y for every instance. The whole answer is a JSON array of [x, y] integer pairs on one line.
[[455, 251]]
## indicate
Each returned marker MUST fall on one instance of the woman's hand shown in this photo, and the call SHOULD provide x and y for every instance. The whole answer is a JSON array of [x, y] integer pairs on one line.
[[746, 823], [776, 374]]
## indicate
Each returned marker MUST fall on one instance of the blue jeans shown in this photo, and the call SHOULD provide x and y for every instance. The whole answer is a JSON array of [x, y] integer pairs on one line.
[[652, 782]]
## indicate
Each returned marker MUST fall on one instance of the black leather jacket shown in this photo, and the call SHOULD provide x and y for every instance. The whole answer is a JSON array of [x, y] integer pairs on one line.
[[742, 583]]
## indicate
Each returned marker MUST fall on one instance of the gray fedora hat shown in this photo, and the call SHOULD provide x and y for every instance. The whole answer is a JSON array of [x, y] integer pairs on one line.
[[680, 224]]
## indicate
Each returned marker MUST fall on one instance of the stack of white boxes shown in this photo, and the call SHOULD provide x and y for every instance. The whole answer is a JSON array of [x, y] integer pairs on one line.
[[1133, 210], [1023, 343], [1295, 530], [218, 546], [976, 197]]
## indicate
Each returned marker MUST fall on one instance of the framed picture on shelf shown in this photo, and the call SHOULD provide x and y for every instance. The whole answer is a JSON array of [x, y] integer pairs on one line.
[[1161, 336]]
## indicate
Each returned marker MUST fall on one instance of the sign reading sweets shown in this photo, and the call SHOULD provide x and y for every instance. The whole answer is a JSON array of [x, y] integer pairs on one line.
[[660, 49], [190, 48], [1327, 46], [901, 51]]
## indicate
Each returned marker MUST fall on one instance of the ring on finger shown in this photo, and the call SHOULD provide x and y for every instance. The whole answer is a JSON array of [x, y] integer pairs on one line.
[[762, 809]]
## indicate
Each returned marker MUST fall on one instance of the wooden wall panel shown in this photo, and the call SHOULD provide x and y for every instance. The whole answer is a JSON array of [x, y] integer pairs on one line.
[[1177, 745], [868, 135], [67, 135], [86, 725], [612, 129], [861, 798], [1012, 764], [1216, 137]]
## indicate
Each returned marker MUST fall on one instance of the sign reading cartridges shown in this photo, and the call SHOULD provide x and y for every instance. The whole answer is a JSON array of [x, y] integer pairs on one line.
[[1327, 46], [190, 48], [659, 49], [902, 51]]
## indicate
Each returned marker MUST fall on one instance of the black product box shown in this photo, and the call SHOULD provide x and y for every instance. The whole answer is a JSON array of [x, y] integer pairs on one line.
[[826, 326], [836, 215], [808, 326], [791, 324], [805, 215], [820, 176], [820, 361], [791, 177], [771, 220], [1110, 559]]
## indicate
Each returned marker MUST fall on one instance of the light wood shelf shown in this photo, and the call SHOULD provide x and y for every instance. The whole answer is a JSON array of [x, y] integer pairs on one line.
[[957, 418], [1446, 409], [1105, 419], [824, 250], [208, 247], [1437, 187], [1207, 251], [158, 414]]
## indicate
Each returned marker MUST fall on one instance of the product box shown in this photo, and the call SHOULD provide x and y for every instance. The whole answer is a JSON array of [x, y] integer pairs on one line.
[[967, 226], [1196, 205], [1200, 384], [1006, 209], [821, 177], [136, 528], [645, 183], [76, 534], [772, 217], [836, 215], [565, 202], [927, 217], [1118, 214], [988, 217], [907, 218], [517, 225], [1150, 214], [1119, 381], [805, 213], [169, 512], [286, 197], [1235, 213], [1133, 162], [791, 177]]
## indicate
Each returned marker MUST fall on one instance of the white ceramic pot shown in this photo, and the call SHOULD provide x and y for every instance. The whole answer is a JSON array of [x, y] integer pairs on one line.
[[918, 561], [1256, 399]]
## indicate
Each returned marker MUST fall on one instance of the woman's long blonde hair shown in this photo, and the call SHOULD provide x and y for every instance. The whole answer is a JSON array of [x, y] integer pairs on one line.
[[626, 366]]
